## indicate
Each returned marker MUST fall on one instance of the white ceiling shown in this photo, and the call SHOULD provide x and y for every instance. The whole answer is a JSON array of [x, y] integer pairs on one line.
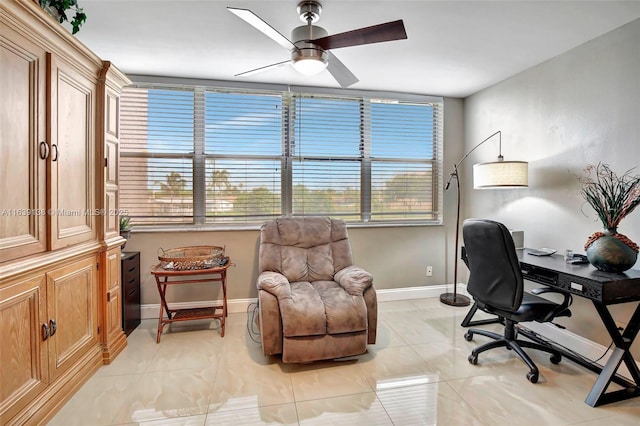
[[454, 48]]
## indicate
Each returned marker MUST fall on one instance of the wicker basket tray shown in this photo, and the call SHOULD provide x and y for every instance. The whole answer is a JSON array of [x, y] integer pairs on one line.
[[188, 258]]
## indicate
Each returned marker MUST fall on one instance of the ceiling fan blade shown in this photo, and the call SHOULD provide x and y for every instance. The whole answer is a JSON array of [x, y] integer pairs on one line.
[[375, 34], [265, 68], [340, 72], [259, 24]]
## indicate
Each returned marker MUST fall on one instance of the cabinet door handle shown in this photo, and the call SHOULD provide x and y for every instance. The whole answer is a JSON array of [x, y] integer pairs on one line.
[[54, 327], [55, 157], [45, 331], [44, 150]]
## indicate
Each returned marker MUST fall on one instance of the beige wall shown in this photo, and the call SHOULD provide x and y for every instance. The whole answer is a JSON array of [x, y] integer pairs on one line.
[[578, 108], [396, 256]]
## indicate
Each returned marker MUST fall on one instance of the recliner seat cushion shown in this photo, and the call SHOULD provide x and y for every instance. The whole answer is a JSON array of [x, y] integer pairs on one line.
[[322, 307]]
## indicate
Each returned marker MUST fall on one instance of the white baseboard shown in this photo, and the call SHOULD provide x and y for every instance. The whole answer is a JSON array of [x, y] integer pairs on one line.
[[241, 305], [587, 348]]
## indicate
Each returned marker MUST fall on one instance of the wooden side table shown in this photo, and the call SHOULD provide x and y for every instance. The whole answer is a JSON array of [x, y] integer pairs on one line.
[[166, 277]]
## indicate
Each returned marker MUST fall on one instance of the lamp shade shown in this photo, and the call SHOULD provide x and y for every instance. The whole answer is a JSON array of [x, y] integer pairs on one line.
[[501, 174]]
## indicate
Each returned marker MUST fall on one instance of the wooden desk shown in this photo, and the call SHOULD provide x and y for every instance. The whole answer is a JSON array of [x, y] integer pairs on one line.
[[211, 275], [603, 289]]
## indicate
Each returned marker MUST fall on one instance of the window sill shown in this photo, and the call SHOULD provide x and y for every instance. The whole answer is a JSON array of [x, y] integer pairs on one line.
[[256, 227]]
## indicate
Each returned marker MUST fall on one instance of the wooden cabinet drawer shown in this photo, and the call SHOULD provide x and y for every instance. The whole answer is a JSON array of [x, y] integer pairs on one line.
[[130, 291]]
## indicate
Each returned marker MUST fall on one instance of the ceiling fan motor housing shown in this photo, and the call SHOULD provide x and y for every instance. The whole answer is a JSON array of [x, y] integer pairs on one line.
[[301, 37]]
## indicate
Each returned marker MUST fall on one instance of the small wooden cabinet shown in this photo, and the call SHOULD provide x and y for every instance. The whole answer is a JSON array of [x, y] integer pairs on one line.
[[130, 291], [48, 326]]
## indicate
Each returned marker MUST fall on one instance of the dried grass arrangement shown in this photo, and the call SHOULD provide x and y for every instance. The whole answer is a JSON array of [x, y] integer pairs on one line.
[[612, 196]]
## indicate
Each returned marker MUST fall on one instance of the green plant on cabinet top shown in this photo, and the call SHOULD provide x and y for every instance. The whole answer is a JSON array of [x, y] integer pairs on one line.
[[125, 223], [64, 6]]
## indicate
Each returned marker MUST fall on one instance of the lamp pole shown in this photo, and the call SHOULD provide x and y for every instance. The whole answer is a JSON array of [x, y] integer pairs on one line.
[[455, 299]]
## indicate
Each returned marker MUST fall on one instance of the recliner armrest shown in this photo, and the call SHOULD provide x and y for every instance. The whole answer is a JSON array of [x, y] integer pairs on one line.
[[354, 279], [274, 283]]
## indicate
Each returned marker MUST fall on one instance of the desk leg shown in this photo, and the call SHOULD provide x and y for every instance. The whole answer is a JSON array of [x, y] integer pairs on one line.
[[622, 341]]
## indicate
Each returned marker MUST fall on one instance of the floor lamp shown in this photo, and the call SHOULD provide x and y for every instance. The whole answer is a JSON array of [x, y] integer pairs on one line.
[[496, 174]]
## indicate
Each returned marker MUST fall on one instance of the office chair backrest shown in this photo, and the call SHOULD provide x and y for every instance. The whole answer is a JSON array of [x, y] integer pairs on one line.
[[495, 277]]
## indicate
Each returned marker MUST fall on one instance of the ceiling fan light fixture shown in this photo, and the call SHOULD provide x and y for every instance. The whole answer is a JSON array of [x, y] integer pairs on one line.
[[309, 61]]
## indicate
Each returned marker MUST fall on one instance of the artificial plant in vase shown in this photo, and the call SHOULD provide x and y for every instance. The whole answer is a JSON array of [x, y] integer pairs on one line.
[[613, 197], [59, 9], [125, 228]]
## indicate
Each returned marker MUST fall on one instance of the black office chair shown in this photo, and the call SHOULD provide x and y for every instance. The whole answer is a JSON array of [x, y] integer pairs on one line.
[[496, 284]]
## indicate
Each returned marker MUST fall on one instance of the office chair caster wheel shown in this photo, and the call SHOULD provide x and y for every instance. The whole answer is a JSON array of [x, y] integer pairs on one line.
[[555, 358], [532, 377], [473, 359], [468, 336]]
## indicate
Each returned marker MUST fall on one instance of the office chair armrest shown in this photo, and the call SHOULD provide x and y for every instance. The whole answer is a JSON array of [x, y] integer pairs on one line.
[[274, 283], [354, 280], [563, 308], [568, 298]]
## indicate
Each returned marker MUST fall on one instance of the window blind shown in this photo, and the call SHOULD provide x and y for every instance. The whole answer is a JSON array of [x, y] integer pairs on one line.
[[404, 160], [243, 146], [156, 148], [326, 142], [194, 154]]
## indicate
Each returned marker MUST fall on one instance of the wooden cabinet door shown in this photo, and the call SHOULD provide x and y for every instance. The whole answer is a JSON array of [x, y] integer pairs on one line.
[[22, 136], [71, 167], [23, 352], [72, 305], [113, 317]]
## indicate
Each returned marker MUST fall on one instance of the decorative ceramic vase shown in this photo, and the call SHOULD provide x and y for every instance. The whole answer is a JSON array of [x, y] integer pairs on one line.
[[610, 251]]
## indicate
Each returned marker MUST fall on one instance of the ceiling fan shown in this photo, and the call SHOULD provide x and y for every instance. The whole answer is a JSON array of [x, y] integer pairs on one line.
[[310, 45]]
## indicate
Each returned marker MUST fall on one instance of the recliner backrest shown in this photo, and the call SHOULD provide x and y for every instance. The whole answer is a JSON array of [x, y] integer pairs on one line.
[[495, 276], [304, 249]]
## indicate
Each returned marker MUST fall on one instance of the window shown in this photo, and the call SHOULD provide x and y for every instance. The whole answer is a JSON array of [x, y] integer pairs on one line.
[[214, 155]]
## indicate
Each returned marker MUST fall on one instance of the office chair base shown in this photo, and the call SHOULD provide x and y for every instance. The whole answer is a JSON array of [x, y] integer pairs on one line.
[[511, 344], [469, 322], [452, 299]]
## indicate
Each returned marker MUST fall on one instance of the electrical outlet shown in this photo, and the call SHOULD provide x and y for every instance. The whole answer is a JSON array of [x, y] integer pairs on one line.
[[429, 271]]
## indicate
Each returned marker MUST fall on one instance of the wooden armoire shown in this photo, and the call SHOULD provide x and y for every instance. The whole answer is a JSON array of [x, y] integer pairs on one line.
[[60, 295]]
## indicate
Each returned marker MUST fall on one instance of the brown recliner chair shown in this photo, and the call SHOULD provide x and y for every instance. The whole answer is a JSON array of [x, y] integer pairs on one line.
[[313, 303]]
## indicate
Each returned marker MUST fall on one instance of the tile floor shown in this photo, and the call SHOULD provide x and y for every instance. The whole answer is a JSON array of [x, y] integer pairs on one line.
[[416, 374]]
